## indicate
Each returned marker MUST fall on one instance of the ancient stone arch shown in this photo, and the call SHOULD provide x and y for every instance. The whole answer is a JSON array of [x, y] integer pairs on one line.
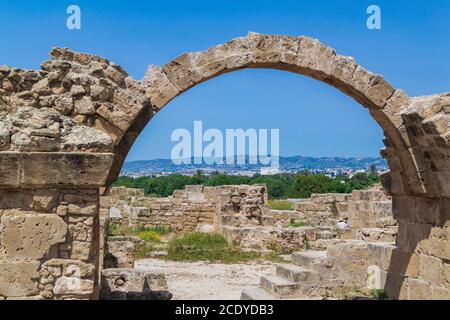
[[66, 129]]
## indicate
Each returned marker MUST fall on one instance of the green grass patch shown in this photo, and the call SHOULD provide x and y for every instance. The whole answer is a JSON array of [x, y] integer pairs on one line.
[[198, 246], [117, 229], [143, 251], [281, 205], [297, 224], [378, 294], [152, 234]]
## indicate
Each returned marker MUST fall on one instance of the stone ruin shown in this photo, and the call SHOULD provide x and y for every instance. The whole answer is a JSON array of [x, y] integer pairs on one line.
[[66, 129], [186, 210]]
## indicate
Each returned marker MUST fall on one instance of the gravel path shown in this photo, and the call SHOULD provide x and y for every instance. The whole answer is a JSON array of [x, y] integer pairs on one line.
[[202, 280]]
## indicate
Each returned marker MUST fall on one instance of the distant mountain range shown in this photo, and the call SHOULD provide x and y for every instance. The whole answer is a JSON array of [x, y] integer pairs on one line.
[[287, 164]]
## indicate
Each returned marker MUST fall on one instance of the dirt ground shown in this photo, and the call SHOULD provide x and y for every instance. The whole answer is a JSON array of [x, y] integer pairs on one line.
[[202, 280]]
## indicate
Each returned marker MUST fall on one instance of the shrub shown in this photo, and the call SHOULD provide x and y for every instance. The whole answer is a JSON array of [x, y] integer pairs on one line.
[[378, 294], [149, 236]]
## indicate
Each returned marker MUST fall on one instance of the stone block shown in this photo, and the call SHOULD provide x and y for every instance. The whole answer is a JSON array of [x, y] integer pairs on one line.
[[132, 284], [56, 169], [73, 286], [10, 173], [80, 250], [418, 290], [182, 73], [374, 87], [343, 69], [18, 279], [431, 269], [159, 89], [31, 236]]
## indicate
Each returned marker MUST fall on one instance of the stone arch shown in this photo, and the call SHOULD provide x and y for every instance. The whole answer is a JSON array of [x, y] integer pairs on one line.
[[301, 55], [66, 129]]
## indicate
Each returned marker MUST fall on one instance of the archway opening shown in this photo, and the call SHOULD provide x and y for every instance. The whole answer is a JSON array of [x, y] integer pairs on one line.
[[295, 105]]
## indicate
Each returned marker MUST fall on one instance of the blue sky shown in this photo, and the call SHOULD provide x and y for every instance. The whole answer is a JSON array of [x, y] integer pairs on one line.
[[411, 51]]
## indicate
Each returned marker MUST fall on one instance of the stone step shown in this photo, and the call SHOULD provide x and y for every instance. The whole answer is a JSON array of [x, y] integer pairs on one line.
[[308, 259], [295, 273], [256, 294], [278, 286]]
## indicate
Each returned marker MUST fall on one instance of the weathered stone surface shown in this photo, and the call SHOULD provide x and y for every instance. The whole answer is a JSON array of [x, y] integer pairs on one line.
[[18, 279], [30, 236], [83, 137], [73, 286], [4, 136], [132, 284], [56, 169]]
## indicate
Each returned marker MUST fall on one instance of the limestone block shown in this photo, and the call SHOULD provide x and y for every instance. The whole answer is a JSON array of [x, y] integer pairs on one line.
[[31, 236], [374, 87], [238, 53], [45, 200], [19, 279], [80, 250], [128, 103], [265, 48], [131, 284], [431, 269], [159, 89], [68, 268], [86, 138], [122, 251], [4, 135], [380, 254], [73, 286], [10, 173], [182, 73], [439, 293], [418, 290], [56, 169], [137, 212], [307, 52], [343, 68], [114, 213], [115, 116], [212, 62], [83, 209]]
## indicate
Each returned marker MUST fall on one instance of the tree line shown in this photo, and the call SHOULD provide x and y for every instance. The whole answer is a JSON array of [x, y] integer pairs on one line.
[[280, 186]]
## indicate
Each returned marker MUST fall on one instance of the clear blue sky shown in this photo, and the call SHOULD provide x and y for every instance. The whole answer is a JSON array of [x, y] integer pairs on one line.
[[411, 51]]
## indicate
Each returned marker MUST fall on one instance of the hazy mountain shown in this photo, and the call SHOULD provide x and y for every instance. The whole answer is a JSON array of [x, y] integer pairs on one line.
[[287, 164]]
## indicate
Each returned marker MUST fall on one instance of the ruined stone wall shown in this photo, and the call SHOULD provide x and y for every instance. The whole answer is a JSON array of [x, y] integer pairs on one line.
[[49, 243], [323, 209], [184, 211], [71, 124]]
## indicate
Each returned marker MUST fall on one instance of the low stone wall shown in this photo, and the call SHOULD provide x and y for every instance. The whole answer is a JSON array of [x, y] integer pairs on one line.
[[184, 211], [323, 209]]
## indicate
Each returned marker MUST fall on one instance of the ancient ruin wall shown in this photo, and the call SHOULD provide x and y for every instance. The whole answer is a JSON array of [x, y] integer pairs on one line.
[[69, 126], [184, 211]]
